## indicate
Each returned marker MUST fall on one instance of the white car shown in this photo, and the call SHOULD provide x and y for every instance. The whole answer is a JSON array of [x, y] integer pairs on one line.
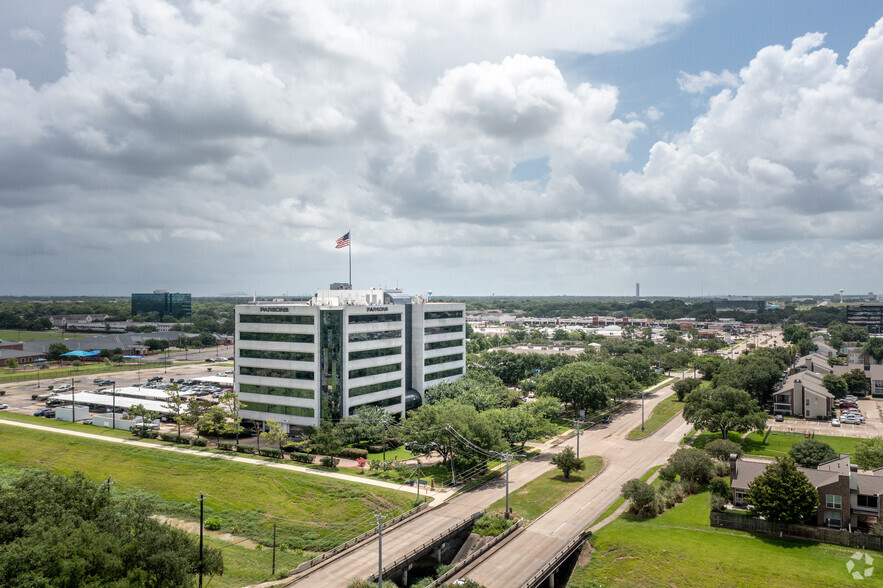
[[851, 420], [4, 406], [835, 422]]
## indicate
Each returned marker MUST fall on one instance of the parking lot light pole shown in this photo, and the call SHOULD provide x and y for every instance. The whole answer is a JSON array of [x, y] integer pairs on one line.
[[114, 417], [642, 410]]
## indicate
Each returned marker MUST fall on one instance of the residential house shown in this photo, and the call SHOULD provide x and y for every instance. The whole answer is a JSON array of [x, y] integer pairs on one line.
[[803, 394], [848, 498]]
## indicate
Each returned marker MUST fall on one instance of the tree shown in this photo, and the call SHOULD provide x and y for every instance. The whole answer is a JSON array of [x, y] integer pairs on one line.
[[757, 373], [567, 462], [836, 385], [177, 406], [587, 386], [874, 348], [231, 403], [692, 465], [810, 453], [195, 410], [643, 498], [274, 433], [56, 350], [60, 531], [520, 426], [722, 449], [868, 454], [545, 407], [783, 494], [857, 381], [326, 440], [12, 363], [138, 410], [723, 409], [683, 387], [710, 365], [213, 422]]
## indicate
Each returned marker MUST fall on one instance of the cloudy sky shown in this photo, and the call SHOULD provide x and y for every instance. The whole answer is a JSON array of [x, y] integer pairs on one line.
[[504, 146]]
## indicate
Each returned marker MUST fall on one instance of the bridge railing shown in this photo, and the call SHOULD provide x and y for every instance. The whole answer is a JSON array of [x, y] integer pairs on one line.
[[344, 546], [475, 555], [556, 560], [427, 545]]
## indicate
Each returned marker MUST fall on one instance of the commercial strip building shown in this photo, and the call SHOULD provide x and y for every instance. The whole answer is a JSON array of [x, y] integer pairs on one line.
[[299, 363]]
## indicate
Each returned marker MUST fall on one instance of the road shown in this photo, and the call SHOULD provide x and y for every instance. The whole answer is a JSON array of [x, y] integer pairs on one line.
[[518, 560], [624, 460]]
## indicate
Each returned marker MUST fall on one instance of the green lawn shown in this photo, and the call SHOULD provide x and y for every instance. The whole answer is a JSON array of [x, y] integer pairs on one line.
[[13, 335], [75, 372], [44, 422], [661, 414], [316, 512], [779, 443], [679, 549], [612, 508], [244, 567], [397, 453], [541, 494]]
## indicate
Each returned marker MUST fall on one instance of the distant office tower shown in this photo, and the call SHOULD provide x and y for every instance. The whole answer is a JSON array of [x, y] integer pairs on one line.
[[866, 315], [300, 363], [637, 289], [162, 303]]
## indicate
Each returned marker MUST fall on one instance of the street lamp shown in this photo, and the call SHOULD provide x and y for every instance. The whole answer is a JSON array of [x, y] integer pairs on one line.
[[642, 410]]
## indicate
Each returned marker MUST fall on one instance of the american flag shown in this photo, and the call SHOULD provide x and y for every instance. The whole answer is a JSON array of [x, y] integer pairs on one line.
[[343, 241]]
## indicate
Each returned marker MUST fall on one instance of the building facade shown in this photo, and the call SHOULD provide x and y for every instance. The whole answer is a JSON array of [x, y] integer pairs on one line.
[[301, 363], [162, 303], [866, 315]]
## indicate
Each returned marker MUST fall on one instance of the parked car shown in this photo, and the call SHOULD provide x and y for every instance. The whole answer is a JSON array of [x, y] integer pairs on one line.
[[63, 388], [780, 418], [106, 383], [45, 412], [607, 419], [98, 380], [851, 420], [849, 397], [3, 406], [835, 422]]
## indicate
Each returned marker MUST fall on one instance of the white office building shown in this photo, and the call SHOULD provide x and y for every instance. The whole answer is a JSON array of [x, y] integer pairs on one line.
[[301, 362]]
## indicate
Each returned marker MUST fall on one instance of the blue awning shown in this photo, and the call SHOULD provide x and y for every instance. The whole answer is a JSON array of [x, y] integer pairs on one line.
[[80, 353]]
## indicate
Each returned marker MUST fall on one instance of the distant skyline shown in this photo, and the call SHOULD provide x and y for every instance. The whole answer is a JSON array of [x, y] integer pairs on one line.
[[716, 148]]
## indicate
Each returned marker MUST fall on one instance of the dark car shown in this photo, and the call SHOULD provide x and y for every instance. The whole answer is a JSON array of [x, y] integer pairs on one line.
[[106, 383], [607, 420], [45, 412]]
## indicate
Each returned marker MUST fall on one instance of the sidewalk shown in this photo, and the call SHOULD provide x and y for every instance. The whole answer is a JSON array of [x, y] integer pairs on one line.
[[438, 496]]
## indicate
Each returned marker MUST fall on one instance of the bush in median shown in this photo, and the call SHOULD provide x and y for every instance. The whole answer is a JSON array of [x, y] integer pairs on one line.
[[198, 442], [244, 449], [225, 446], [354, 453], [329, 462], [302, 457], [271, 452], [171, 437]]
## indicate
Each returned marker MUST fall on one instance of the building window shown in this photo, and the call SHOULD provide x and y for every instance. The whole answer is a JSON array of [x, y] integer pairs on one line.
[[278, 409], [442, 344], [276, 373], [867, 501], [833, 519], [442, 330], [739, 497], [280, 337], [442, 314], [275, 319], [275, 391], [373, 371], [391, 317], [442, 374], [380, 403], [280, 355], [374, 353], [375, 336], [371, 388], [833, 501], [442, 359]]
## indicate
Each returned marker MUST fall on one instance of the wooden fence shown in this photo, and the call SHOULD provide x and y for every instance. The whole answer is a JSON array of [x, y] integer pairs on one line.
[[805, 532]]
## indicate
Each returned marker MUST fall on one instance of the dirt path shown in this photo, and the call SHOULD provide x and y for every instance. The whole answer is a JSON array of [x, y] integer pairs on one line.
[[193, 527]]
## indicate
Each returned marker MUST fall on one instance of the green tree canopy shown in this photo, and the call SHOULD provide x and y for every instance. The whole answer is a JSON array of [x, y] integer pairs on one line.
[[723, 409], [60, 531], [783, 494], [567, 462], [427, 427], [810, 453], [757, 373], [874, 348], [683, 387], [519, 426], [857, 381], [692, 464], [868, 454], [643, 497], [836, 385], [56, 350]]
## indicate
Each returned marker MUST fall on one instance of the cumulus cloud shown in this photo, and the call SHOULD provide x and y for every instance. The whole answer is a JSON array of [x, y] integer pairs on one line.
[[699, 83], [27, 34]]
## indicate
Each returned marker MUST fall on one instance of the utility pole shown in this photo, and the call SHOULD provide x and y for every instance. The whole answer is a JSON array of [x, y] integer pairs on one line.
[[107, 484], [114, 409], [73, 403], [577, 423], [642, 410], [379, 518], [451, 451], [201, 505], [508, 457], [274, 549]]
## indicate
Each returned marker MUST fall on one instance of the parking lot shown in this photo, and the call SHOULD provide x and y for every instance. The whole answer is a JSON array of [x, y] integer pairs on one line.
[[871, 409], [18, 395]]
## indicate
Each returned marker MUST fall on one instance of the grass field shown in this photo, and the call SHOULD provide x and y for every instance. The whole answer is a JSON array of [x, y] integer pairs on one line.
[[661, 414], [243, 566], [679, 549], [75, 372], [12, 335], [778, 443], [612, 508], [541, 494], [313, 512]]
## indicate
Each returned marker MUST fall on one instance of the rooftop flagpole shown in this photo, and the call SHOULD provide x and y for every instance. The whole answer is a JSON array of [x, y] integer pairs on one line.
[[348, 232]]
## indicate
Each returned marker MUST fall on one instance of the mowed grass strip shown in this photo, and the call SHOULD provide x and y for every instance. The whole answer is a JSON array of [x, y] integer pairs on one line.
[[779, 443], [14, 335], [240, 494], [541, 494], [244, 567], [661, 414], [678, 549], [90, 369], [64, 425]]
